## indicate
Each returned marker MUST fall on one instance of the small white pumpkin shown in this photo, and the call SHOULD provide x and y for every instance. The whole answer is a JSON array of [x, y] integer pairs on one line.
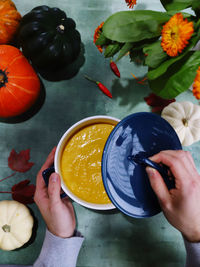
[[16, 224], [184, 117]]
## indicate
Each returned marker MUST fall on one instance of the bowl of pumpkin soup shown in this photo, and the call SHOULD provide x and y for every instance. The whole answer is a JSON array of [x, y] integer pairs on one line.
[[78, 161]]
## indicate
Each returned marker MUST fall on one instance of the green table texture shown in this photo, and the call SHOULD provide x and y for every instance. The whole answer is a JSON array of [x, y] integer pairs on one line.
[[111, 238]]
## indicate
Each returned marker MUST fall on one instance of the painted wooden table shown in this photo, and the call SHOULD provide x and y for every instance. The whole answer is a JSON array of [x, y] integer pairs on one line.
[[111, 238]]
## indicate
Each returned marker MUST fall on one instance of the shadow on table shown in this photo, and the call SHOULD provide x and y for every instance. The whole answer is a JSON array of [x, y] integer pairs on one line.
[[31, 112], [65, 73], [137, 242], [104, 212], [130, 94], [147, 247]]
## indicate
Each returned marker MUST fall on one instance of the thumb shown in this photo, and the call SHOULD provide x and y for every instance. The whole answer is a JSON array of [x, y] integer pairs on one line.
[[54, 188], [158, 185]]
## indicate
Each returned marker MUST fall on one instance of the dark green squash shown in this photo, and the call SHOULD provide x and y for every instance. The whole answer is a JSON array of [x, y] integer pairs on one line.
[[49, 38]]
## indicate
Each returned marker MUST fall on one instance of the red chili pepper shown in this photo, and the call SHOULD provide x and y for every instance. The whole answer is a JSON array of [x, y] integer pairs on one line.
[[114, 68], [104, 89], [101, 86]]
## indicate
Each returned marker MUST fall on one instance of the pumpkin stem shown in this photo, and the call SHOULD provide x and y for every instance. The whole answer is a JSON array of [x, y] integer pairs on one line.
[[6, 228], [60, 28], [3, 78], [185, 122]]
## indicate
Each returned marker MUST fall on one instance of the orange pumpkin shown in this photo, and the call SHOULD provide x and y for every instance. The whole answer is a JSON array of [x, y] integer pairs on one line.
[[9, 21], [19, 84]]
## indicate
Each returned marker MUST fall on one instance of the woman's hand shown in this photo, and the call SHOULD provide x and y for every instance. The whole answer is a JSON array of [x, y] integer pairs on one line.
[[181, 206], [58, 214]]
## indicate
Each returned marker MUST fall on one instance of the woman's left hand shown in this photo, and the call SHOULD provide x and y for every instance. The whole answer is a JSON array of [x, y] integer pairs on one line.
[[58, 214]]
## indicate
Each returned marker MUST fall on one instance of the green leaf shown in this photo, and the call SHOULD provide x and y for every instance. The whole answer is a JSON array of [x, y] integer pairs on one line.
[[112, 49], [154, 54], [134, 26], [137, 54], [102, 40], [178, 77], [124, 50], [176, 4], [155, 73]]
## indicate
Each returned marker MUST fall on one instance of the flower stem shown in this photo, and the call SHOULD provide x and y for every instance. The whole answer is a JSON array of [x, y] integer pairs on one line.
[[8, 177], [6, 192]]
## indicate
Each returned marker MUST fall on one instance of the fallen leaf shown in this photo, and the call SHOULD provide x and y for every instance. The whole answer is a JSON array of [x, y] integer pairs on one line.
[[157, 103], [23, 192], [20, 161]]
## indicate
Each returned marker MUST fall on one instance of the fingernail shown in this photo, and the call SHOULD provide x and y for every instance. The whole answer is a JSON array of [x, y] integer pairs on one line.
[[150, 171], [54, 178]]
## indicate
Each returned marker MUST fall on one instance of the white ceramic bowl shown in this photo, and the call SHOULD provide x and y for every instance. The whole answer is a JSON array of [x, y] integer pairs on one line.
[[61, 145]]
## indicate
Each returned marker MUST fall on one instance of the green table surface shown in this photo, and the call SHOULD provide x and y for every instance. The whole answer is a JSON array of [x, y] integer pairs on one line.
[[111, 238]]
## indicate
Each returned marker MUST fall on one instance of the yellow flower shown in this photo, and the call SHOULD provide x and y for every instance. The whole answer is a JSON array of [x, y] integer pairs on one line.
[[175, 34], [196, 85], [130, 3], [96, 36]]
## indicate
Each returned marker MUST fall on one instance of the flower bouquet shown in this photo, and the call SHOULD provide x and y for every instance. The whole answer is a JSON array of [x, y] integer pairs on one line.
[[163, 41]]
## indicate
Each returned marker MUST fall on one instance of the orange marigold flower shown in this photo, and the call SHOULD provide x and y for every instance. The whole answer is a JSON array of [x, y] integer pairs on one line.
[[196, 85], [97, 33], [175, 34], [130, 3]]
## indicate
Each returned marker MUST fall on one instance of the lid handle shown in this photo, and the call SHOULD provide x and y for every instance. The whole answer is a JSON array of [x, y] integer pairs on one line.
[[162, 169]]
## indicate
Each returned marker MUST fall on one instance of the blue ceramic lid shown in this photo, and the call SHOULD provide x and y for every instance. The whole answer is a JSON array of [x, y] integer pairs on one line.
[[126, 182]]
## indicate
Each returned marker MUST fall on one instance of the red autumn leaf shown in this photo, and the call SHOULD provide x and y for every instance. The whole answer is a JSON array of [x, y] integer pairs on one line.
[[157, 103], [20, 161], [23, 192]]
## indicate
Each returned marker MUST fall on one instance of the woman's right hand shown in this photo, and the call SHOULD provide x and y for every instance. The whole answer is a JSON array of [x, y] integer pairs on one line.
[[181, 206]]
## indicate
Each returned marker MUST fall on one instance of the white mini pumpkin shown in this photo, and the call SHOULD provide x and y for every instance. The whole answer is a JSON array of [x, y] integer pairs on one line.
[[184, 117], [16, 224]]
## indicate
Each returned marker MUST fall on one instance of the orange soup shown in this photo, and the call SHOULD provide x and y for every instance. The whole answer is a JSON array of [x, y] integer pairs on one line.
[[81, 163]]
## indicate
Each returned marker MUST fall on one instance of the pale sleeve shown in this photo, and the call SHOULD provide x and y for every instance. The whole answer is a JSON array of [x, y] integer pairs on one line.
[[59, 252], [193, 254]]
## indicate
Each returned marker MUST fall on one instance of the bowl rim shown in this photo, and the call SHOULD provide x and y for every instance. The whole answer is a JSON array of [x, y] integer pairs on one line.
[[59, 149]]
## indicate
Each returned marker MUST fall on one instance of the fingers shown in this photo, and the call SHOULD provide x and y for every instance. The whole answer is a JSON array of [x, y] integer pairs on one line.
[[176, 153], [159, 187], [180, 163], [54, 189]]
